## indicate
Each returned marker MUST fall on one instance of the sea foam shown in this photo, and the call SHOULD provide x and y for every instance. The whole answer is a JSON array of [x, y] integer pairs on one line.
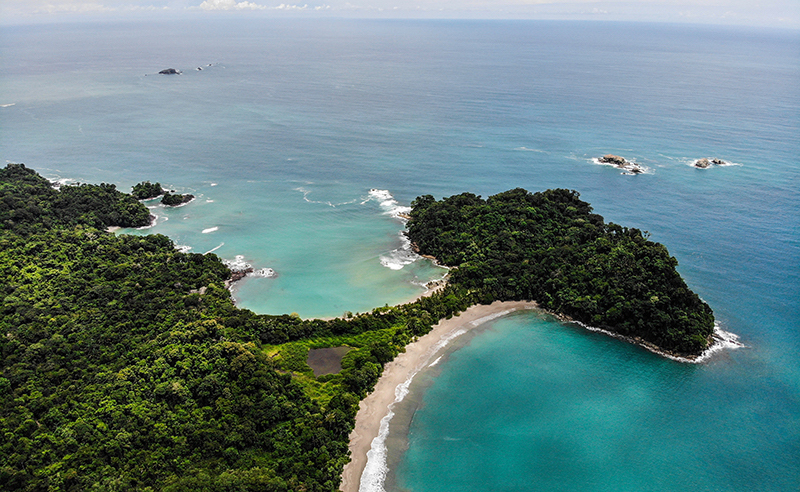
[[693, 163], [153, 220], [400, 257], [404, 255], [307, 192], [627, 169], [263, 272], [388, 203], [214, 249], [722, 340], [59, 182], [239, 264]]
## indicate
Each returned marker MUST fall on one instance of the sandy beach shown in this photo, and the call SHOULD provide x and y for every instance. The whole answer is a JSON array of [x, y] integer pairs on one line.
[[418, 354]]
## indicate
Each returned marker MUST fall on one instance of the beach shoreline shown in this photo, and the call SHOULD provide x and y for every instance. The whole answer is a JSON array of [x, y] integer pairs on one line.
[[418, 354], [421, 353]]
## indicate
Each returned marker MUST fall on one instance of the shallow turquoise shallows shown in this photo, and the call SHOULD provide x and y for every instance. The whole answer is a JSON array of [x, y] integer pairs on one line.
[[304, 138]]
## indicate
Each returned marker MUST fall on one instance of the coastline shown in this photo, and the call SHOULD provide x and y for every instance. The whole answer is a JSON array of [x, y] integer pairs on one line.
[[375, 411], [418, 355]]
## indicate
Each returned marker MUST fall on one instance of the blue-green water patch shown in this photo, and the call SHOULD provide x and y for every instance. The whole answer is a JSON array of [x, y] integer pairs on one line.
[[535, 404]]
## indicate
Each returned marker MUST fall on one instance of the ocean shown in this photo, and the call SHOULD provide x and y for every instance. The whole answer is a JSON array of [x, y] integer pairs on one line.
[[303, 139]]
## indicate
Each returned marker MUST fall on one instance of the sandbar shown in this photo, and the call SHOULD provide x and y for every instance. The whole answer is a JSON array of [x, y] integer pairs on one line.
[[376, 405]]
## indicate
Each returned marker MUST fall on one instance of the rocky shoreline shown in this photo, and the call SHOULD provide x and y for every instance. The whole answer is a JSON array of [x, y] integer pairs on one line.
[[240, 269]]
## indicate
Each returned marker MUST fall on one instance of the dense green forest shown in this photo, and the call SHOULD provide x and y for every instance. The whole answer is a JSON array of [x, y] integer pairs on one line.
[[550, 247], [147, 190], [126, 366], [171, 200]]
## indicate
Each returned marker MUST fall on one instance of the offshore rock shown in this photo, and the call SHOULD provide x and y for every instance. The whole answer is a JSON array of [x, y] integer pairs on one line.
[[613, 159], [705, 163], [622, 163]]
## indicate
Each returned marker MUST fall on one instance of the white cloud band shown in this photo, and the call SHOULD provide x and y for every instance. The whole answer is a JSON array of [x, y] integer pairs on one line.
[[230, 5]]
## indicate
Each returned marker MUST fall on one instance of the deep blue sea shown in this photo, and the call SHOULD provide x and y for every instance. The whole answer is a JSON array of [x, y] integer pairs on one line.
[[303, 138]]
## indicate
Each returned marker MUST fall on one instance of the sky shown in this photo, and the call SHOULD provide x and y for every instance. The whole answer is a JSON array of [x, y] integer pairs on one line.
[[777, 13]]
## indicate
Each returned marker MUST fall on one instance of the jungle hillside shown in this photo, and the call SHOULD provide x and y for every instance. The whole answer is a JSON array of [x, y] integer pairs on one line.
[[126, 366]]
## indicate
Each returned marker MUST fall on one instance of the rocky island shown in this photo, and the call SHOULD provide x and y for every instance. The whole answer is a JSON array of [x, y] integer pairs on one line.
[[620, 162], [173, 200], [148, 191], [705, 163]]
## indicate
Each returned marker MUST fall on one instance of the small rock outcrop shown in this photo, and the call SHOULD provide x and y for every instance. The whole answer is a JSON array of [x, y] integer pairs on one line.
[[169, 71], [622, 163], [613, 159], [705, 163]]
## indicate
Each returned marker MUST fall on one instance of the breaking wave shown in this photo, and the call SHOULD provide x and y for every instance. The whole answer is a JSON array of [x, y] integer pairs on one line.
[[627, 169], [374, 475], [388, 204], [239, 264], [400, 257], [722, 340], [307, 192], [214, 249]]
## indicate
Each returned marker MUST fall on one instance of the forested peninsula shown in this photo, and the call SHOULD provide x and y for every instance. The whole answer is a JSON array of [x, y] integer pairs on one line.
[[549, 247], [126, 366]]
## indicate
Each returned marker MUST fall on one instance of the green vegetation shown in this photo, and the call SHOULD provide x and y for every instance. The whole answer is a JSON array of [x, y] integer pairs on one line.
[[125, 365], [550, 247], [147, 190], [172, 200], [28, 201]]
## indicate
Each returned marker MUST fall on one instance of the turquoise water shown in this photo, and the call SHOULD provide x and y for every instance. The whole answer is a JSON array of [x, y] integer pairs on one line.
[[285, 134], [532, 404]]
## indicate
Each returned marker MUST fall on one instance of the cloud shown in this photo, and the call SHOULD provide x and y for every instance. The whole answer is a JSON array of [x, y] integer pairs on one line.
[[230, 5], [785, 13], [37, 7], [79, 7], [246, 5]]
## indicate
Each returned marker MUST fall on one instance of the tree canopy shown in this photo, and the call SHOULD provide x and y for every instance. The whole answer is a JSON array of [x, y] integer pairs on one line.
[[147, 190], [126, 366], [550, 247]]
